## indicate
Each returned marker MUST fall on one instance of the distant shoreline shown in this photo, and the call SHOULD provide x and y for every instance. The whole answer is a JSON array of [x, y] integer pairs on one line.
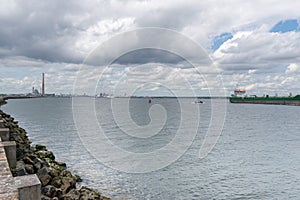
[[18, 97], [137, 97]]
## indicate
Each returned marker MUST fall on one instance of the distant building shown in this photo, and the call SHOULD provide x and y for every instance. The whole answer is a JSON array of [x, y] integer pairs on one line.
[[35, 92], [43, 84]]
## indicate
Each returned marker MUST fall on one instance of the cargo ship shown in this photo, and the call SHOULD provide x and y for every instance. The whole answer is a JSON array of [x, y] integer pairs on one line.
[[240, 97]]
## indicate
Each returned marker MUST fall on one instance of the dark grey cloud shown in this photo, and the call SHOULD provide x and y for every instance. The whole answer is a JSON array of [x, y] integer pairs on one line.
[[148, 45], [40, 30], [58, 35], [54, 31], [144, 56], [49, 30]]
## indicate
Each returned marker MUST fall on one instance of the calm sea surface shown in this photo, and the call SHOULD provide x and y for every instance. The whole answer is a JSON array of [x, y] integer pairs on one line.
[[256, 157]]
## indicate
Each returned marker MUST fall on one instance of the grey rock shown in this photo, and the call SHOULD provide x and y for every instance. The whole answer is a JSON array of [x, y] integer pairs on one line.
[[54, 172], [51, 191], [29, 168], [20, 169], [28, 160], [43, 175], [40, 147], [38, 165], [68, 183], [56, 181]]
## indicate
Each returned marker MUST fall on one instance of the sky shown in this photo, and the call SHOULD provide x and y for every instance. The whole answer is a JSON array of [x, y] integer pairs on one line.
[[253, 45]]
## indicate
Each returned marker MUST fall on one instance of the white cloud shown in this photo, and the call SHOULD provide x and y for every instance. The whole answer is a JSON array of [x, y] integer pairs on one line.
[[251, 71], [292, 68], [55, 36], [258, 50], [101, 31]]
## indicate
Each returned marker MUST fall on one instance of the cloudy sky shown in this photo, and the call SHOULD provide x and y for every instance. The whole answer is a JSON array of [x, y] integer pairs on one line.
[[254, 44]]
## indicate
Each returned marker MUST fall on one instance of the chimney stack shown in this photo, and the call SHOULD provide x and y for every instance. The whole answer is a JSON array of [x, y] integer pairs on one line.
[[43, 85]]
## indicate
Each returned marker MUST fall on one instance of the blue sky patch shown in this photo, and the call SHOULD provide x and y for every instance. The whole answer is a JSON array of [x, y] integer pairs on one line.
[[220, 39], [286, 26]]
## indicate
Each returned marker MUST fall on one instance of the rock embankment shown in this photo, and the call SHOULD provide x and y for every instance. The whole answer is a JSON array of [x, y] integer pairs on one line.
[[58, 183]]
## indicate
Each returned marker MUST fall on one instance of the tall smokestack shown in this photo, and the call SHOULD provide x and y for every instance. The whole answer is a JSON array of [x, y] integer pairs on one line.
[[43, 85]]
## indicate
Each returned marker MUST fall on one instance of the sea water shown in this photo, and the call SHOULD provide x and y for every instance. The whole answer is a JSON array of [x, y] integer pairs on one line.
[[257, 155]]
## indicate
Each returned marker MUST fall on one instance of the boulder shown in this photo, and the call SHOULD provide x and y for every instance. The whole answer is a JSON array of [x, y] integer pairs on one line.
[[87, 193], [40, 147], [45, 198], [43, 175], [51, 191], [72, 195], [78, 178], [32, 156], [56, 181], [46, 154], [68, 183], [29, 169], [20, 169], [43, 162], [66, 173], [61, 164], [28, 160], [37, 165], [54, 172]]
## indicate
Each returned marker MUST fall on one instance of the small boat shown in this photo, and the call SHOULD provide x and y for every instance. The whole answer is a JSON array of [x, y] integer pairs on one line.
[[198, 102]]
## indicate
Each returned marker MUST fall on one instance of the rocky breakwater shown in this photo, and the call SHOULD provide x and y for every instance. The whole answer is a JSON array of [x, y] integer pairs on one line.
[[56, 180]]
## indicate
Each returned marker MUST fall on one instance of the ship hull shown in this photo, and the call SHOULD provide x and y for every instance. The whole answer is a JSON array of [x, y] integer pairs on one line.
[[295, 101]]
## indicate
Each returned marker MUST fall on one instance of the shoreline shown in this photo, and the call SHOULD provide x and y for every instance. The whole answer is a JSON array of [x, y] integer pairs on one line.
[[57, 182]]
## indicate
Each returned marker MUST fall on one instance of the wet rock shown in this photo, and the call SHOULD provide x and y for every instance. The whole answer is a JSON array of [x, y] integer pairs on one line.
[[20, 169], [29, 169], [61, 164], [57, 167], [40, 147], [66, 173], [15, 137], [43, 175], [31, 155], [19, 172], [56, 181], [68, 183], [45, 198], [83, 193], [78, 178], [43, 162], [72, 195], [51, 191], [32, 149], [46, 154], [37, 165], [54, 172], [28, 160], [87, 193], [58, 193]]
